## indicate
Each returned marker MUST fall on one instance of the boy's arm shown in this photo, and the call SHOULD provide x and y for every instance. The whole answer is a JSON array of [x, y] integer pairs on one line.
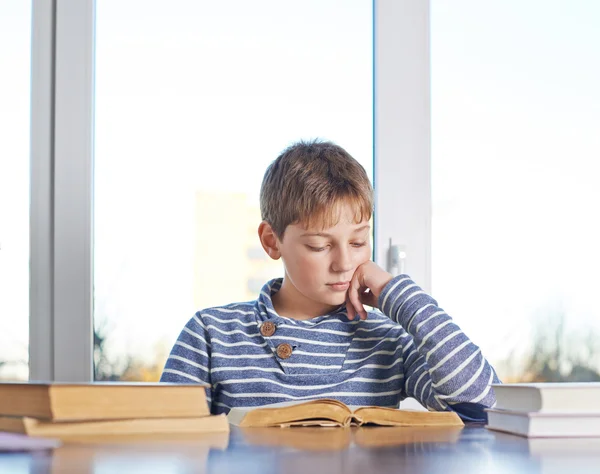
[[189, 360], [443, 368]]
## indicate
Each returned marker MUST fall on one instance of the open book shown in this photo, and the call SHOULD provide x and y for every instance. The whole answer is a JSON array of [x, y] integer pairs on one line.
[[329, 412]]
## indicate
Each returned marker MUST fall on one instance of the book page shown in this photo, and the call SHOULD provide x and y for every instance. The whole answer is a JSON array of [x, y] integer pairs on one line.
[[322, 412], [397, 417], [236, 414]]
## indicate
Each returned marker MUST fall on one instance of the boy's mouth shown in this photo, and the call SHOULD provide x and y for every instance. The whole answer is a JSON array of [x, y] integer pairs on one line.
[[339, 285]]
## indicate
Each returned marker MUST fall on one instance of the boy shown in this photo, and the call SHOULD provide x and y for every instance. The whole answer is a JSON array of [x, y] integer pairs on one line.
[[308, 335]]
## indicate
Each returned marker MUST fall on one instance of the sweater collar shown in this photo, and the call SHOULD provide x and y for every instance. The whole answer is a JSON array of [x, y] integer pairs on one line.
[[264, 305]]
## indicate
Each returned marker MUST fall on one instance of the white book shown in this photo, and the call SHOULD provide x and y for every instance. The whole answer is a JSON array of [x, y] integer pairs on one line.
[[545, 425], [581, 397]]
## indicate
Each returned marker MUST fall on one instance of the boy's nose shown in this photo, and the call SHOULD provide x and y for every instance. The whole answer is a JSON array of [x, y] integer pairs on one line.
[[342, 262]]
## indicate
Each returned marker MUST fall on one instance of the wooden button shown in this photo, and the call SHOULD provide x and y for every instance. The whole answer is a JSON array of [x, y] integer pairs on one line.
[[284, 351], [267, 329]]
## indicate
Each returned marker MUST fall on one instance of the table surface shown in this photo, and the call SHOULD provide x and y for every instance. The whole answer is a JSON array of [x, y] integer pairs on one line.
[[472, 449]]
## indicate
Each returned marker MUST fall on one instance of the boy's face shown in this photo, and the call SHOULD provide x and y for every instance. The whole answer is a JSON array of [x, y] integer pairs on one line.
[[319, 263]]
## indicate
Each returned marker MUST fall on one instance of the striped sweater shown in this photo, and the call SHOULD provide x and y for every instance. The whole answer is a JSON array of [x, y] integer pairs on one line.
[[414, 349]]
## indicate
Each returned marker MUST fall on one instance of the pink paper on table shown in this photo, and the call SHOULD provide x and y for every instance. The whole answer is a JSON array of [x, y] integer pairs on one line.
[[19, 442]]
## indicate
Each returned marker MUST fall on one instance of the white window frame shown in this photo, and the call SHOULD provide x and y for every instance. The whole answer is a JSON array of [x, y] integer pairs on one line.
[[61, 268], [402, 137], [61, 273], [402, 134]]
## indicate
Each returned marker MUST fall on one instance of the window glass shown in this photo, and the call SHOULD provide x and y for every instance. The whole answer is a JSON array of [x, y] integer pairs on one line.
[[15, 58], [193, 101], [515, 171]]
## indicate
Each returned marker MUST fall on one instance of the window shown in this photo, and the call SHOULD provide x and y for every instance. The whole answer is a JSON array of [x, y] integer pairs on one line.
[[193, 101], [15, 44], [515, 145]]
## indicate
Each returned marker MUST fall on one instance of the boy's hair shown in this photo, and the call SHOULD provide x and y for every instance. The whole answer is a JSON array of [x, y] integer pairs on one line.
[[307, 182]]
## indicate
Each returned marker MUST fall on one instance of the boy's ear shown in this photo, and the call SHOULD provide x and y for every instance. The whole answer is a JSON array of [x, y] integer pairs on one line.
[[268, 240]]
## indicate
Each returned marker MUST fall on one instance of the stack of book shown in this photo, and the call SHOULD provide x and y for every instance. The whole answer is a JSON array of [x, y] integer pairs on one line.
[[67, 410], [547, 410]]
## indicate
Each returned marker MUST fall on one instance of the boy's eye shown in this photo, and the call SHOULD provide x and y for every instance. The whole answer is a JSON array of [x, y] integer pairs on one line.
[[321, 249], [316, 249]]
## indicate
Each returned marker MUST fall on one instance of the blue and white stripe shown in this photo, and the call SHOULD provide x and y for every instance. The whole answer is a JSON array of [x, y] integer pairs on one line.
[[370, 362]]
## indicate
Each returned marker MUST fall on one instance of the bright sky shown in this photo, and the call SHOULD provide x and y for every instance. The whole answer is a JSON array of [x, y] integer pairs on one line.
[[515, 148], [14, 178], [203, 95]]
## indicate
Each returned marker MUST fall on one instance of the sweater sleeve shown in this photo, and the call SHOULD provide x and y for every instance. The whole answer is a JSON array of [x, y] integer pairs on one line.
[[189, 360], [443, 368]]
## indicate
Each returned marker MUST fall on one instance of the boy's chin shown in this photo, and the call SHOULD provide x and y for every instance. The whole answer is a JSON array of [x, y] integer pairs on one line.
[[335, 300]]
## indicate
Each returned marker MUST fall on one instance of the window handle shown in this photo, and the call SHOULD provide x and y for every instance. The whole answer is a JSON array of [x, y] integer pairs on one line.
[[396, 259]]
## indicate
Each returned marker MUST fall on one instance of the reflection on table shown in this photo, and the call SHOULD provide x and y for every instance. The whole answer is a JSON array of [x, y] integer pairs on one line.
[[472, 449], [334, 439]]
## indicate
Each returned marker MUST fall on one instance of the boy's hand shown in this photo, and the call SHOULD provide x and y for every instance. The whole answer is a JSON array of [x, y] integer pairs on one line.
[[366, 285]]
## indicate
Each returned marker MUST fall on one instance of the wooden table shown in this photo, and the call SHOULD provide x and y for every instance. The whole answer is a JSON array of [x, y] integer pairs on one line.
[[472, 449]]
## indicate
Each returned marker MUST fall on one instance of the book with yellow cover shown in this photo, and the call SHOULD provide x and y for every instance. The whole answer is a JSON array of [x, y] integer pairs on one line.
[[329, 412], [102, 401], [138, 426]]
